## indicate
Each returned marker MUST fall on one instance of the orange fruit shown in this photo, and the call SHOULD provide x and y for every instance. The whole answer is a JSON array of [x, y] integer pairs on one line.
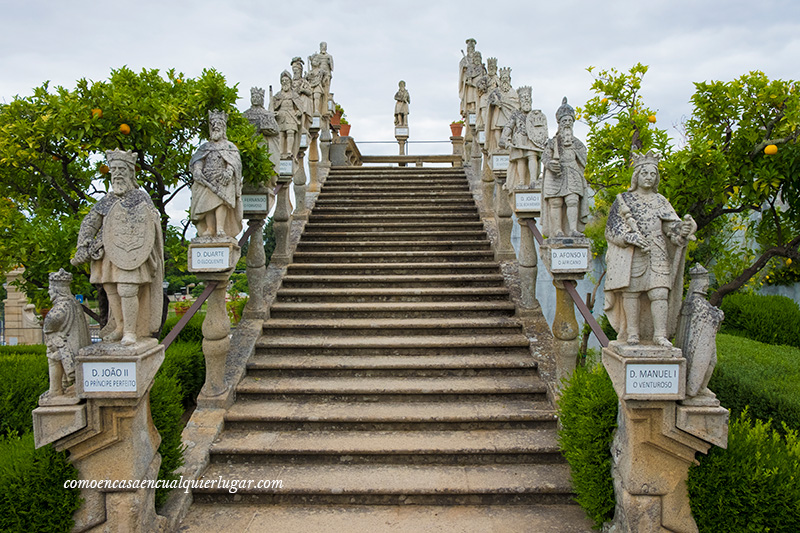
[[97, 112], [104, 169], [604, 101], [652, 119], [771, 149], [124, 129]]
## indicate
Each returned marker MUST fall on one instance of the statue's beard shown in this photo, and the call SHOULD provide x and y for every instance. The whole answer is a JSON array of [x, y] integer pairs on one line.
[[566, 136]]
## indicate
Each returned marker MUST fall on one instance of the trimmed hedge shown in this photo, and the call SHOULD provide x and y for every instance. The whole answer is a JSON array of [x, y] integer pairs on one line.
[[751, 486], [770, 319], [766, 378], [23, 378], [588, 413], [192, 332], [185, 362], [32, 493], [166, 408]]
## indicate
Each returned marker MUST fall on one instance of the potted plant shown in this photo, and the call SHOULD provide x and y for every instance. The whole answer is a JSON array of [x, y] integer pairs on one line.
[[456, 127], [344, 129], [338, 113], [182, 306]]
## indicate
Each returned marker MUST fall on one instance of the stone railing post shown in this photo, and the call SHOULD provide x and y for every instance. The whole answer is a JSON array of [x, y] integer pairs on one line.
[[281, 219], [313, 154], [487, 179], [256, 202], [401, 134], [527, 206], [502, 209], [299, 179], [325, 139], [567, 260], [475, 149], [458, 146]]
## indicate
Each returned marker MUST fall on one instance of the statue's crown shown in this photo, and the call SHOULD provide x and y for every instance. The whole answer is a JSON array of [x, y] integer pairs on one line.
[[564, 110], [126, 156], [650, 157], [492, 61], [62, 276], [471, 41], [297, 59], [216, 114], [505, 72], [286, 74], [698, 271], [257, 91], [525, 91]]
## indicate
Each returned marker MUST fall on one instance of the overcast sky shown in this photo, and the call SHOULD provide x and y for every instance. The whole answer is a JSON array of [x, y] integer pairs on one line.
[[375, 44]]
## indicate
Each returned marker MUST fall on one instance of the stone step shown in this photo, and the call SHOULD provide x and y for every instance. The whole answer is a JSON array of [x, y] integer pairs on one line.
[[422, 217], [389, 246], [388, 416], [388, 447], [368, 363], [419, 185], [364, 295], [388, 484], [315, 235], [397, 327], [393, 197], [553, 518], [433, 280], [391, 309], [437, 225], [447, 256], [422, 210], [393, 388], [389, 342]]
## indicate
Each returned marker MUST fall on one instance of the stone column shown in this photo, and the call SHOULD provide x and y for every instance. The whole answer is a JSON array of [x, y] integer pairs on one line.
[[528, 268], [22, 325], [475, 150], [325, 139], [566, 344], [502, 211], [299, 179], [313, 156], [458, 148], [216, 343], [256, 272], [281, 219], [487, 186], [401, 134]]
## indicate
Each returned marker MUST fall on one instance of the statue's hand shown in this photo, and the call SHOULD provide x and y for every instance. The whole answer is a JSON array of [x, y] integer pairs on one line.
[[81, 256], [688, 226], [554, 166]]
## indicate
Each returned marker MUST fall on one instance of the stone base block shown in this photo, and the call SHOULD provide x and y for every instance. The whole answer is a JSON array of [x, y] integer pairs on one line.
[[636, 376], [213, 254], [51, 423], [707, 423], [113, 371]]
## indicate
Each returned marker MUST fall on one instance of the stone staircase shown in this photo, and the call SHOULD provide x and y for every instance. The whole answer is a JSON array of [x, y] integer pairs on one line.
[[393, 388]]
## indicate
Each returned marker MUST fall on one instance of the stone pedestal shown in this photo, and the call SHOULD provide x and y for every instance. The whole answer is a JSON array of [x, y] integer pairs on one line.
[[281, 222], [110, 436], [256, 272], [656, 439], [299, 179], [502, 209], [401, 134], [313, 157], [458, 145], [528, 261], [487, 187], [21, 324], [475, 151], [324, 167]]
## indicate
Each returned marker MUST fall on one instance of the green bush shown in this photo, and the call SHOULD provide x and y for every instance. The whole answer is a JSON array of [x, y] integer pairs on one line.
[[588, 413], [751, 486], [23, 377], [765, 378], [32, 493], [769, 319], [192, 332], [185, 362], [166, 408]]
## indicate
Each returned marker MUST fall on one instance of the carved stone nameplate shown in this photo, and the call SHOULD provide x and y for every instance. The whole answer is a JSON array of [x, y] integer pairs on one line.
[[401, 132], [315, 123], [285, 168], [211, 258], [255, 204], [472, 119], [528, 202], [568, 259], [652, 379], [482, 137], [499, 162], [109, 377]]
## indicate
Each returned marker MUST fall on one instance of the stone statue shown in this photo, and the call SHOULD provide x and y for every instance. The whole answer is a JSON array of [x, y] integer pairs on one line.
[[463, 66], [216, 167], [475, 71], [696, 337], [65, 332], [485, 85], [525, 135], [502, 101], [288, 109], [316, 80], [121, 236], [326, 64], [646, 251], [258, 116], [564, 188], [302, 87], [402, 99]]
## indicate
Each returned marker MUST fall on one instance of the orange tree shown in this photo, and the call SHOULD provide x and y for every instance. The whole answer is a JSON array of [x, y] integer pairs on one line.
[[746, 202], [52, 146]]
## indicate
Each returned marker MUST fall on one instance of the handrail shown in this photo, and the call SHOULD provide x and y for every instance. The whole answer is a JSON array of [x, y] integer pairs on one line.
[[175, 331], [570, 285]]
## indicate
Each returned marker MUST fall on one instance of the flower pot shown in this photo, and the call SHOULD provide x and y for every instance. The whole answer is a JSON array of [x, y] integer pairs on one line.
[[336, 119], [344, 130], [456, 129]]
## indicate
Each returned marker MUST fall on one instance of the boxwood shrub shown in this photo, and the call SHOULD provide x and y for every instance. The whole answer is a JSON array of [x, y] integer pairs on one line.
[[185, 362], [750, 487], [23, 377], [770, 319], [588, 413], [166, 407]]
